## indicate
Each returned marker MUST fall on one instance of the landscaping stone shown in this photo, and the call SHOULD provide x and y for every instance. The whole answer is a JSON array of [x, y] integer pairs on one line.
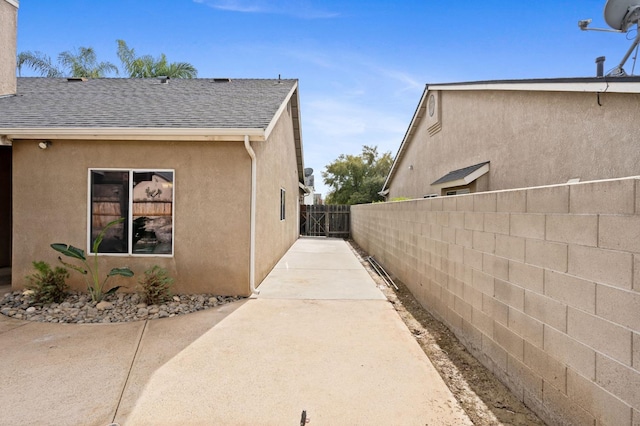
[[121, 307], [101, 306]]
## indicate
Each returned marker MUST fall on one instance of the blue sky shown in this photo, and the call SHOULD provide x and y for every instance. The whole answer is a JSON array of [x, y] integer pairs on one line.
[[362, 65]]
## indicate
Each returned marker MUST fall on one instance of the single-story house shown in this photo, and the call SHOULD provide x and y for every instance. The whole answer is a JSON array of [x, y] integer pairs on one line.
[[207, 173], [494, 135]]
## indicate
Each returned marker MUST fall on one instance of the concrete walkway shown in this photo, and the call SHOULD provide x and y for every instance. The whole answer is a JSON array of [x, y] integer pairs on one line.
[[320, 337]]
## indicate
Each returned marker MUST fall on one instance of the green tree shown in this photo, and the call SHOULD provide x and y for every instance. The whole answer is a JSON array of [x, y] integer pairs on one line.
[[357, 179], [147, 66], [39, 62], [82, 62]]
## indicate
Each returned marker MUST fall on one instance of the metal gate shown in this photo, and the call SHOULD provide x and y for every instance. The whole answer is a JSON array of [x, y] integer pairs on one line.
[[325, 221]]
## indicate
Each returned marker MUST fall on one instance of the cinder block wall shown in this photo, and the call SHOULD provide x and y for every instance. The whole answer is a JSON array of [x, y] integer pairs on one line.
[[542, 285]]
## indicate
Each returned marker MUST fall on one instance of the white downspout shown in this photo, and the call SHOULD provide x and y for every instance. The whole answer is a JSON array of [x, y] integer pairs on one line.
[[252, 250]]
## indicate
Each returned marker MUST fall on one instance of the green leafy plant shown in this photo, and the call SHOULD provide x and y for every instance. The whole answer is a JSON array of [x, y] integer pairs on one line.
[[48, 286], [156, 285], [95, 287]]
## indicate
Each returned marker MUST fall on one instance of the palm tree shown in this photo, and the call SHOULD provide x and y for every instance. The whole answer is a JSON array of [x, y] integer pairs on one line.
[[83, 63], [39, 62], [146, 66], [79, 63]]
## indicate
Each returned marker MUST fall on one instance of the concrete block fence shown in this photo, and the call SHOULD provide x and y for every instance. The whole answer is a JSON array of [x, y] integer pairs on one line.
[[541, 284]]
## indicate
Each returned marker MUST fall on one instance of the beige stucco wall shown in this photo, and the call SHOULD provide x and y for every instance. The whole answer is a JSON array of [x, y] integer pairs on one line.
[[8, 34], [542, 285], [5, 206], [531, 139], [276, 168], [212, 197]]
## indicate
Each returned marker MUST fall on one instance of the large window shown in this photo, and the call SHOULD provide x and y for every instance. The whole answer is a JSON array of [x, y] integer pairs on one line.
[[144, 198]]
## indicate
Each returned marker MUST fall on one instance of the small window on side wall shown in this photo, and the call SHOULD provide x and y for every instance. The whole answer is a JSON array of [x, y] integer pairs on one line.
[[282, 204], [144, 198]]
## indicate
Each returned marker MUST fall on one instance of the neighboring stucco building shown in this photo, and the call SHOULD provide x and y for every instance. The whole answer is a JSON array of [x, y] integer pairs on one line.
[[493, 135], [207, 172]]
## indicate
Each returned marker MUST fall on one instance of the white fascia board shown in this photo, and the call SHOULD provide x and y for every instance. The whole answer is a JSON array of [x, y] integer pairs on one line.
[[417, 116], [304, 188], [593, 87], [281, 109], [14, 3], [297, 125], [128, 133]]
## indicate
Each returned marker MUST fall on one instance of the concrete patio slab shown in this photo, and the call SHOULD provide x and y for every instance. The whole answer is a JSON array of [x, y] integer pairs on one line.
[[320, 337], [162, 340], [313, 254], [64, 373], [297, 283], [344, 362]]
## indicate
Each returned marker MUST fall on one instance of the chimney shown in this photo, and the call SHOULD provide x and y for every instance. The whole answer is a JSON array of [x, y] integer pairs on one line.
[[600, 66], [8, 46]]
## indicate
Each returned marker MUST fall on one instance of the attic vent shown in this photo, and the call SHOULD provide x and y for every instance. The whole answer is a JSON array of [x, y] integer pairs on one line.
[[164, 80], [77, 79], [222, 80]]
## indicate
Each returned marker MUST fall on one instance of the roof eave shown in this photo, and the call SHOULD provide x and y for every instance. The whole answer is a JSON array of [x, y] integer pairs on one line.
[[417, 116], [465, 180], [610, 85], [130, 133], [293, 97]]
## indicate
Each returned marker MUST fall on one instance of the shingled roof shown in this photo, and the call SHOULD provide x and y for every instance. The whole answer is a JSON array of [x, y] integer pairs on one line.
[[144, 103], [459, 174], [148, 109]]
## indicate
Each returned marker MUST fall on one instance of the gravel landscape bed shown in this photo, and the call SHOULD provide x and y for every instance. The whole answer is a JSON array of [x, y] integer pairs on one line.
[[121, 307]]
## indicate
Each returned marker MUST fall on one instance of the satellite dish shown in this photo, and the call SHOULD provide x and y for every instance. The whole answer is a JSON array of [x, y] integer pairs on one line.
[[621, 14]]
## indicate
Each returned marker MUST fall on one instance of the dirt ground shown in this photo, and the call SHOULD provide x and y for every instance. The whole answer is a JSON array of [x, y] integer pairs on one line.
[[486, 400]]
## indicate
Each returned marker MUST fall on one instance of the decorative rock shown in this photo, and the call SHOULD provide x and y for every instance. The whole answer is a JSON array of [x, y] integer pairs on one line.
[[104, 305], [121, 307]]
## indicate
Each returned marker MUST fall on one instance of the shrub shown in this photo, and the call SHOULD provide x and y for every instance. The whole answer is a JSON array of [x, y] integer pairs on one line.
[[94, 286], [156, 285], [48, 286]]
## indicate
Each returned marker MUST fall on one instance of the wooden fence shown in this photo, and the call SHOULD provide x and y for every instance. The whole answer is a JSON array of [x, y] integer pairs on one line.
[[325, 221]]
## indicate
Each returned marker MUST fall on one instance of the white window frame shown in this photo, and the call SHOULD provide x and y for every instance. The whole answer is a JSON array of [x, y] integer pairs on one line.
[[131, 171], [459, 191]]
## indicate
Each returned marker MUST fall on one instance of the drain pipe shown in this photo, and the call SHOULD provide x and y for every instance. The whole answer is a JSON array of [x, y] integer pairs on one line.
[[252, 250]]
